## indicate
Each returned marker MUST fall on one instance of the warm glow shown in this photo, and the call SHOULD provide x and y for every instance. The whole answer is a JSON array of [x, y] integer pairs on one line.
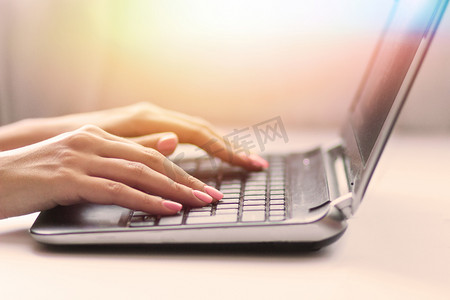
[[227, 61], [242, 54]]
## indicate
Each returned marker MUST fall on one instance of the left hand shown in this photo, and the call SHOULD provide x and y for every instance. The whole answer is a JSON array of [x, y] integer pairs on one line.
[[151, 126]]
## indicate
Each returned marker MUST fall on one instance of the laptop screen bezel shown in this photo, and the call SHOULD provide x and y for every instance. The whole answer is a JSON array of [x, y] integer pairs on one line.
[[360, 170]]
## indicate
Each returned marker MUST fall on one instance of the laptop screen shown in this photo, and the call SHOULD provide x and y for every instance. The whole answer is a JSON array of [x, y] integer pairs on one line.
[[385, 86], [408, 24]]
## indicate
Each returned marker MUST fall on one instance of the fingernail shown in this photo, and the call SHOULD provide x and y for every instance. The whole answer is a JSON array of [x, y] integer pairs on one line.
[[258, 161], [167, 142], [213, 192], [172, 205], [202, 196]]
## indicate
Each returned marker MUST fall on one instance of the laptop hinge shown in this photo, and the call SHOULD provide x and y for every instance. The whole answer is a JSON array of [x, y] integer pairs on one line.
[[341, 195], [344, 203]]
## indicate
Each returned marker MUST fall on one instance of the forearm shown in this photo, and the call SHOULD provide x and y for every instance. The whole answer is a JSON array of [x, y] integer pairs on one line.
[[30, 131]]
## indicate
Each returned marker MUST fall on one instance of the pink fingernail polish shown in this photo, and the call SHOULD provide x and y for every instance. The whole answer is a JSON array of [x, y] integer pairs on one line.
[[202, 196], [167, 142], [258, 161], [213, 192], [172, 205]]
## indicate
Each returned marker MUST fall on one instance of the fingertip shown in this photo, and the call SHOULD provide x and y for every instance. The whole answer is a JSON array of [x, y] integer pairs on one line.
[[216, 194], [173, 206], [202, 196], [258, 161], [167, 143], [252, 162]]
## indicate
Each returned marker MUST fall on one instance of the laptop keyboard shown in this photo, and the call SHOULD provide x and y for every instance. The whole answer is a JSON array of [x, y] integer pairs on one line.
[[249, 197]]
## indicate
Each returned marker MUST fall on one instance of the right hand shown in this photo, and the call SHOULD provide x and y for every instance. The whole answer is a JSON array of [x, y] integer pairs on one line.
[[91, 165]]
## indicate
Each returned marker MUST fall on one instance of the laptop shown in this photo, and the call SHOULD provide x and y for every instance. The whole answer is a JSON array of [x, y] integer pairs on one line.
[[304, 198]]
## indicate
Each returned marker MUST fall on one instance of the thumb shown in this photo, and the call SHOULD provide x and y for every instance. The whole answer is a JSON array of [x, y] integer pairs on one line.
[[164, 142]]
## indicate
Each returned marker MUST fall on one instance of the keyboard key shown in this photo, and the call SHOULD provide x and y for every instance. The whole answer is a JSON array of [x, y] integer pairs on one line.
[[277, 207], [141, 221], [277, 213], [204, 208], [140, 213], [256, 175], [254, 207], [171, 220], [253, 216], [254, 188], [209, 165], [276, 202], [229, 201], [233, 211], [255, 193], [231, 196], [231, 182], [255, 202], [277, 192], [277, 183], [216, 219], [276, 197], [227, 205], [230, 185], [230, 190], [259, 197], [199, 213], [276, 218], [276, 187], [260, 184]]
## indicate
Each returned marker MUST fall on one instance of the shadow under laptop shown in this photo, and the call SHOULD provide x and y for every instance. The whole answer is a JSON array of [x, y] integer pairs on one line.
[[262, 250], [19, 236]]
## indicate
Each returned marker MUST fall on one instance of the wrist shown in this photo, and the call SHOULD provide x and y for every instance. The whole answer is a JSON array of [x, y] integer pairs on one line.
[[29, 131]]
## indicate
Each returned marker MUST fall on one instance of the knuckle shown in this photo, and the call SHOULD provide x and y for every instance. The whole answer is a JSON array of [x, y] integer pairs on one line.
[[114, 188], [138, 168], [79, 140], [64, 174], [199, 131], [176, 187], [192, 181], [154, 156], [90, 128], [199, 135], [67, 157], [141, 111]]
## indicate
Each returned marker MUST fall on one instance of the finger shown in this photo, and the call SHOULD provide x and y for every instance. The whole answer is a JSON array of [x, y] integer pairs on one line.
[[155, 161], [165, 142], [211, 142], [205, 136], [104, 191], [197, 132], [140, 176], [110, 146]]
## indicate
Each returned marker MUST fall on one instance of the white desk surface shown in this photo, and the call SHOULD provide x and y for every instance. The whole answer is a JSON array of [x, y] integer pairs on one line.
[[397, 246]]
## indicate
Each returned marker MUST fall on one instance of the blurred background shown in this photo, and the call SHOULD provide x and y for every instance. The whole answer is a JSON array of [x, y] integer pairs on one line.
[[230, 62]]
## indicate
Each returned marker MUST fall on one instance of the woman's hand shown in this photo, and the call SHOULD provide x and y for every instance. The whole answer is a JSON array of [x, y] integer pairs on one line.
[[91, 165], [143, 123]]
